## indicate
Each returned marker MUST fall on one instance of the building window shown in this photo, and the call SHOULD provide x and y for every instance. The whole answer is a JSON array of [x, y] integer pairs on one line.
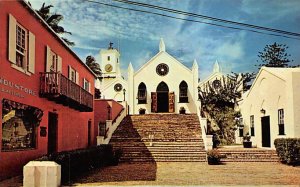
[[19, 125], [108, 58], [21, 46], [241, 131], [73, 75], [142, 94], [281, 122], [86, 85], [252, 125], [102, 129], [183, 92], [53, 66]]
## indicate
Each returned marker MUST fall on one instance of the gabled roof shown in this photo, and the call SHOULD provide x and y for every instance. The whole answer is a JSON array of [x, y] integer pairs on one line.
[[281, 73], [159, 54], [211, 77], [43, 22]]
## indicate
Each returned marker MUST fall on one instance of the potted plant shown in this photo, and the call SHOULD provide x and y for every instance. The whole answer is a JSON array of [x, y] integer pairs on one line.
[[247, 143], [214, 157], [142, 111], [182, 110]]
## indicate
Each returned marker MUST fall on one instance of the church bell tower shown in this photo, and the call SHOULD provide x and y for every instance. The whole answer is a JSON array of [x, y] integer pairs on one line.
[[110, 59]]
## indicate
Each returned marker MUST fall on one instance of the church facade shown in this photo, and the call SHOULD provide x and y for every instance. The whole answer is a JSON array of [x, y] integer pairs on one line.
[[161, 85]]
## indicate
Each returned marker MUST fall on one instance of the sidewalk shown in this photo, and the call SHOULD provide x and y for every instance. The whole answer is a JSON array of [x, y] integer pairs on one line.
[[187, 173]]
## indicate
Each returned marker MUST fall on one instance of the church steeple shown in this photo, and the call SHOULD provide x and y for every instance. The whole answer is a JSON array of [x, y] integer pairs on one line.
[[162, 46], [216, 67], [110, 59]]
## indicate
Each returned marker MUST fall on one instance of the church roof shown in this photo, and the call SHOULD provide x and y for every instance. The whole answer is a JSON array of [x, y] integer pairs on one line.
[[162, 50], [281, 73]]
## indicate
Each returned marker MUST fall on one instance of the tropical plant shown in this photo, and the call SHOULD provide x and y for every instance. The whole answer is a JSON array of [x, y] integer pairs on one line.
[[246, 79], [95, 67], [53, 20], [274, 55], [218, 107]]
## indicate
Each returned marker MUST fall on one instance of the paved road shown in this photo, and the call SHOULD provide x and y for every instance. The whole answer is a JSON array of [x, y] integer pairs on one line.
[[172, 173]]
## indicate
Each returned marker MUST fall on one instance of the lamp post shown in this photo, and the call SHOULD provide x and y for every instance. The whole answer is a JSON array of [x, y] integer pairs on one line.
[[124, 92], [263, 111]]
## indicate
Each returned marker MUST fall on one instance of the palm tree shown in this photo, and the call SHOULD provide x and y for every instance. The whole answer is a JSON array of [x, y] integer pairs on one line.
[[95, 67], [53, 20]]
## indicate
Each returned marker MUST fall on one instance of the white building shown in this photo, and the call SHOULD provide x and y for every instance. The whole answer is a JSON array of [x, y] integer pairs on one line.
[[214, 78], [271, 108], [163, 84]]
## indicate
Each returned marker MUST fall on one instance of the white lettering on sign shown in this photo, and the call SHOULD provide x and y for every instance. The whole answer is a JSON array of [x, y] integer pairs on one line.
[[13, 85]]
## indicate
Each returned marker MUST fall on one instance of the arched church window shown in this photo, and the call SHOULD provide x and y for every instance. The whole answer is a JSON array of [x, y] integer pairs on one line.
[[183, 92], [142, 93]]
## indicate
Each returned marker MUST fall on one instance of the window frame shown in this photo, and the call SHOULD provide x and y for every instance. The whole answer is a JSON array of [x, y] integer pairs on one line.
[[183, 92], [252, 126], [17, 116], [21, 46], [142, 94], [281, 129], [86, 85]]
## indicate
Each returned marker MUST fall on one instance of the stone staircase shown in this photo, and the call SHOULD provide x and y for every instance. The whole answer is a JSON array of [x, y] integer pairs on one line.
[[249, 155], [160, 138]]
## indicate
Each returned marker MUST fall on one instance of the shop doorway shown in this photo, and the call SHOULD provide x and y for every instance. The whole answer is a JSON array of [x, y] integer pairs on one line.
[[52, 132]]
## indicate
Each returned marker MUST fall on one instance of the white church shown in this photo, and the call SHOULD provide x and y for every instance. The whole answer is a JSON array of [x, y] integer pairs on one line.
[[161, 85]]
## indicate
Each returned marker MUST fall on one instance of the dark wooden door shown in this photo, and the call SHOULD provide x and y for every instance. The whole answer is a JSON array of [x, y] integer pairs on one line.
[[153, 102], [265, 131], [52, 132], [171, 102], [89, 132]]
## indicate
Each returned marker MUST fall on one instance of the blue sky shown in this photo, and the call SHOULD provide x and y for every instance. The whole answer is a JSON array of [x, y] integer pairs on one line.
[[93, 26]]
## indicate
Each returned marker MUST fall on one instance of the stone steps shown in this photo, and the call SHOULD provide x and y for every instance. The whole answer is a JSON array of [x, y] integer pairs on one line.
[[252, 155], [176, 138]]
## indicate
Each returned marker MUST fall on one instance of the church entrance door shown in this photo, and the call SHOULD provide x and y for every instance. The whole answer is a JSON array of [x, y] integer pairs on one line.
[[162, 99]]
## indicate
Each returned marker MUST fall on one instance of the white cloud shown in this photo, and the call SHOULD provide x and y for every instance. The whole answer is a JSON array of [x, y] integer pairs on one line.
[[271, 10], [230, 50]]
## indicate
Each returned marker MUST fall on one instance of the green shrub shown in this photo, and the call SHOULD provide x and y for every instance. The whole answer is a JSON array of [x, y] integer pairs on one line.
[[288, 150], [76, 162], [214, 157]]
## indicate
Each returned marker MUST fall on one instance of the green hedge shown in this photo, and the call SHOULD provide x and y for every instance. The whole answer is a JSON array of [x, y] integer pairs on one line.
[[76, 162], [288, 150]]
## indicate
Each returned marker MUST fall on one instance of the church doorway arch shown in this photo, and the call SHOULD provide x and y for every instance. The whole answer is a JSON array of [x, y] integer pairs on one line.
[[162, 99]]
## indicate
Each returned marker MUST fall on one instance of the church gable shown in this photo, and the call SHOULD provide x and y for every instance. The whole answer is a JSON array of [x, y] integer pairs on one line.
[[263, 76], [174, 66]]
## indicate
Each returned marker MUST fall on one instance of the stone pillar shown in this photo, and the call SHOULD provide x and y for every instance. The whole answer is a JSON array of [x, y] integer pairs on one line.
[[41, 173]]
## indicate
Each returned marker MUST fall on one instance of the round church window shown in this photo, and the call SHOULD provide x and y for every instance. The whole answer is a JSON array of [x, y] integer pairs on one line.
[[216, 84], [162, 69], [118, 87]]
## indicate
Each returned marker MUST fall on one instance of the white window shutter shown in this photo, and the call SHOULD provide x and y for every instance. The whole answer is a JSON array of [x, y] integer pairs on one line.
[[59, 64], [31, 54], [12, 39], [89, 87], [84, 83], [70, 72], [48, 59], [77, 78]]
